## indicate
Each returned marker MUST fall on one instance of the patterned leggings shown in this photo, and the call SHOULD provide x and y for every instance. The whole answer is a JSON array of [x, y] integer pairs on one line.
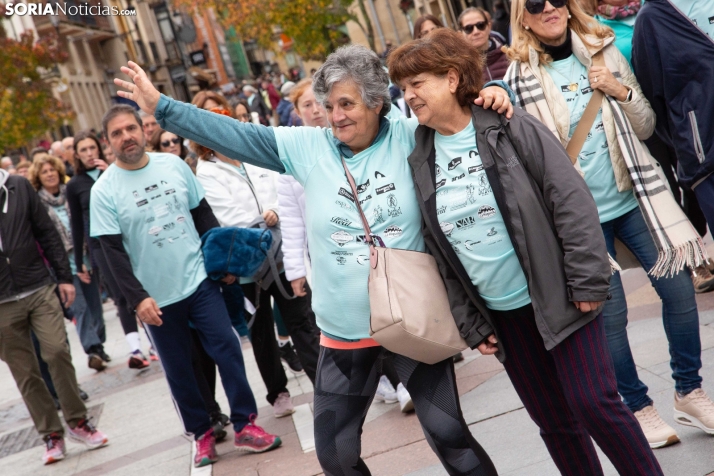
[[344, 389]]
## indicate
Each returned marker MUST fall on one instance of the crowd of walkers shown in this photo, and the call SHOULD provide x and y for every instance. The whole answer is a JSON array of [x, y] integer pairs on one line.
[[533, 157]]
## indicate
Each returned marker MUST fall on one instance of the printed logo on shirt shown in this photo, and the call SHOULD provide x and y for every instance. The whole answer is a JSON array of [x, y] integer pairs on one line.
[[180, 219], [141, 203], [394, 210], [155, 230], [170, 191], [473, 153], [377, 215], [368, 197], [694, 20], [711, 20], [586, 90], [599, 127], [136, 194], [459, 202], [150, 219], [385, 189], [378, 174], [341, 237], [604, 145], [440, 184], [447, 227], [470, 244], [458, 177], [454, 163], [151, 188], [438, 170], [441, 210], [393, 231], [346, 194], [484, 186], [156, 196], [590, 136], [362, 259], [341, 221], [161, 210], [341, 260], [169, 226], [465, 223], [475, 168], [344, 205], [442, 193], [456, 249], [159, 242], [492, 232], [486, 211], [363, 188], [361, 239]]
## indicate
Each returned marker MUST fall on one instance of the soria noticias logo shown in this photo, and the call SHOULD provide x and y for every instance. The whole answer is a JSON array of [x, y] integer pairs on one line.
[[22, 9]]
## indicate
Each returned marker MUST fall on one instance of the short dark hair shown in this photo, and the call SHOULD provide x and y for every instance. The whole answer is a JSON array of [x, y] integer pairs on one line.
[[79, 137], [421, 20], [117, 110]]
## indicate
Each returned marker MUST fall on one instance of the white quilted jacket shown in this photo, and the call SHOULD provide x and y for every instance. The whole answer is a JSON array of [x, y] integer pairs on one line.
[[235, 200], [291, 205]]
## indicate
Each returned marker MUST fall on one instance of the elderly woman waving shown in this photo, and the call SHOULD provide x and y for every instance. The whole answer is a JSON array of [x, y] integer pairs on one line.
[[566, 66], [353, 87], [515, 232]]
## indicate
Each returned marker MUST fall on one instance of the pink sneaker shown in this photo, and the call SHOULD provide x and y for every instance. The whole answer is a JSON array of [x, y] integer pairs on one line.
[[205, 449], [254, 439], [55, 449], [85, 433], [153, 355]]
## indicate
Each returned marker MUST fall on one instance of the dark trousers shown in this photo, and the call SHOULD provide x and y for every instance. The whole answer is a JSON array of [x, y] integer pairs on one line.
[[298, 318], [570, 392], [126, 315], [345, 387], [206, 311], [204, 369]]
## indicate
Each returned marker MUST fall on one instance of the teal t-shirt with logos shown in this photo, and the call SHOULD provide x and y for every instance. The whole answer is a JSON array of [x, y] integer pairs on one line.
[[571, 78], [470, 219], [151, 209], [62, 214], [700, 12]]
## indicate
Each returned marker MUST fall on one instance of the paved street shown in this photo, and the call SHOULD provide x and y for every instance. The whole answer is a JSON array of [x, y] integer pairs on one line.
[[146, 438]]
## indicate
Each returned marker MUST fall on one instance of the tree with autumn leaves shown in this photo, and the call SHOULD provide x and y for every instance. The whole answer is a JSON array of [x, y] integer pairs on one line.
[[27, 106], [313, 25]]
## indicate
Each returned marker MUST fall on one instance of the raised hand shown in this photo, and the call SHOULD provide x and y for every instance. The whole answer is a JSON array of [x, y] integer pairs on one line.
[[139, 89]]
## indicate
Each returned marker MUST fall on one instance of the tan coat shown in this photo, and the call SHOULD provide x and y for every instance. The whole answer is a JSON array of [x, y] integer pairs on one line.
[[553, 112]]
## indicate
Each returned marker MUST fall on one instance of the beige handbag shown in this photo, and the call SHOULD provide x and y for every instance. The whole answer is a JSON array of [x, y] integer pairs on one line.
[[409, 307]]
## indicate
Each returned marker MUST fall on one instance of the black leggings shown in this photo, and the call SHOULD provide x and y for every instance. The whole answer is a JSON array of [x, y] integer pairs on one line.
[[345, 386], [126, 315]]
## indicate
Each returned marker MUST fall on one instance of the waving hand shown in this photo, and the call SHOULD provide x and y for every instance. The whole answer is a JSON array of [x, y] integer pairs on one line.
[[140, 89]]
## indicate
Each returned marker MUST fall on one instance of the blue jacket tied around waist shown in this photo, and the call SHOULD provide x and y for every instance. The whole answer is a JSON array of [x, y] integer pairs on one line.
[[236, 251]]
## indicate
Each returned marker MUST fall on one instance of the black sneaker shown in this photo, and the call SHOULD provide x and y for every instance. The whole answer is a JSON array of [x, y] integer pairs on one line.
[[100, 352], [83, 395], [287, 353], [458, 357], [218, 422]]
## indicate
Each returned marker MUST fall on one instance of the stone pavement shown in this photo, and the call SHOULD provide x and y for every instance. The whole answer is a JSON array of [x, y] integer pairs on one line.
[[136, 411]]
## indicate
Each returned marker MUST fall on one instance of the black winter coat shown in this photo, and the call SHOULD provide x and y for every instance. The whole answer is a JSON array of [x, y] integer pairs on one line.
[[24, 225]]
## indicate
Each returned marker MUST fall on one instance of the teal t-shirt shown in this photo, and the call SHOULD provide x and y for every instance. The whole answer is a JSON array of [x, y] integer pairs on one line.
[[701, 12], [94, 173], [338, 251], [470, 219], [594, 157], [151, 209], [61, 212], [624, 30]]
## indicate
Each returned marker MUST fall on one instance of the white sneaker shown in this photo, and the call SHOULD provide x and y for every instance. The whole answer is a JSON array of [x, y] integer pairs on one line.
[[656, 430], [405, 400], [385, 391], [695, 409]]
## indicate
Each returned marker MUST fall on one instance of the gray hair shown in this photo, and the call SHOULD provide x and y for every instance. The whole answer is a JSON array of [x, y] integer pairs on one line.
[[359, 65], [117, 110], [143, 114]]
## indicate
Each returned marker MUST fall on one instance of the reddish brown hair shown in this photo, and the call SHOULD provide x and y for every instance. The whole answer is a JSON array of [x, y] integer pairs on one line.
[[299, 89], [442, 50], [199, 100]]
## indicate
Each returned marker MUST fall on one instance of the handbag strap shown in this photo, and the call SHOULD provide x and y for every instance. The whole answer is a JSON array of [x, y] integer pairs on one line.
[[365, 224], [582, 130]]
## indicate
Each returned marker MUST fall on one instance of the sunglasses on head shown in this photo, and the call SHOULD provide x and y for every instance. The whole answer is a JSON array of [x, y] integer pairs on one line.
[[167, 143], [481, 25], [535, 7]]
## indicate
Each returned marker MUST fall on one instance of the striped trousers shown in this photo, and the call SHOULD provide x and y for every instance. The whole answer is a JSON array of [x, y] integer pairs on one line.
[[570, 392]]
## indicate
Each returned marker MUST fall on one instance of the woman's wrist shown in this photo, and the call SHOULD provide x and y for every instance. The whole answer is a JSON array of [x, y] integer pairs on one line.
[[624, 94]]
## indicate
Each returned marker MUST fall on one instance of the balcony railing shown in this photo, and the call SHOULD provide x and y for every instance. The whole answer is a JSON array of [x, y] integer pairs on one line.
[[72, 17]]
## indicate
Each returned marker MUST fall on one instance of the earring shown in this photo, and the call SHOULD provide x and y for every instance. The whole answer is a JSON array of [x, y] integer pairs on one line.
[[569, 16], [527, 27]]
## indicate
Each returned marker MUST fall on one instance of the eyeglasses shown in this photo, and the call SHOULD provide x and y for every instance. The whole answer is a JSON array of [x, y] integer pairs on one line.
[[221, 110], [167, 143], [535, 7], [481, 25]]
